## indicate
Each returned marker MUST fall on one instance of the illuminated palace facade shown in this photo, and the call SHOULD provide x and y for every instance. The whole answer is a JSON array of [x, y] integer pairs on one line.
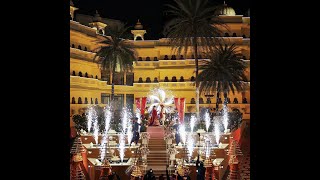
[[156, 66]]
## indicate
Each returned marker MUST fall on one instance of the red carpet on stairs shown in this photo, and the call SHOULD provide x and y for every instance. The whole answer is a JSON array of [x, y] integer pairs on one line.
[[156, 132]]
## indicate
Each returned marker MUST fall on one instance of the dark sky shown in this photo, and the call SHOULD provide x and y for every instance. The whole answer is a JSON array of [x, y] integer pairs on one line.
[[150, 12]]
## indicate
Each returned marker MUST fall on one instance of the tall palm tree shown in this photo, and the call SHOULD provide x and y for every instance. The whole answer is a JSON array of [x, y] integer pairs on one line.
[[116, 52], [223, 72], [193, 23]]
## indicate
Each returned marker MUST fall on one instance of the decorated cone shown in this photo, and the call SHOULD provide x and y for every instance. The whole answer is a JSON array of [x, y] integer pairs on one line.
[[105, 170], [234, 152], [77, 172], [77, 146]]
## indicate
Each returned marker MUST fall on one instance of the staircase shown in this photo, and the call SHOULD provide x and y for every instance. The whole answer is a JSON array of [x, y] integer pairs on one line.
[[157, 158]]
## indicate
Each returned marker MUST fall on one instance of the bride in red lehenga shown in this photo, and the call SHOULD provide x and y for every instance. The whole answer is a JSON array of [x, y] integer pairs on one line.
[[154, 121]]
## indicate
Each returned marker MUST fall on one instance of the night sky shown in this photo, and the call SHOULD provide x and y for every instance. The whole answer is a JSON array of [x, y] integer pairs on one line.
[[150, 12]]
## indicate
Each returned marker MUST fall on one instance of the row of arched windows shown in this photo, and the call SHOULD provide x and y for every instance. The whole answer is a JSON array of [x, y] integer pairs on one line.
[[233, 35], [166, 79], [73, 101], [173, 57], [235, 101], [79, 47], [83, 75]]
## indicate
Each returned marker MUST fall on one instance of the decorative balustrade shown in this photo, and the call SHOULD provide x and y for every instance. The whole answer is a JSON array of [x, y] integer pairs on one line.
[[77, 53]]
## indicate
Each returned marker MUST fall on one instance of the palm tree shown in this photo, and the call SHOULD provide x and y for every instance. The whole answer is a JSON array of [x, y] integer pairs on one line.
[[223, 72], [116, 52], [194, 24]]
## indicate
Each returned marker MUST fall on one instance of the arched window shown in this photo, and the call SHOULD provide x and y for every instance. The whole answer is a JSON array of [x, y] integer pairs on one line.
[[181, 79], [208, 101], [244, 101], [192, 78], [73, 73], [96, 76], [201, 101], [140, 80], [155, 58], [193, 101], [228, 100], [155, 80], [140, 59], [91, 101], [96, 101], [234, 35], [86, 100], [199, 57], [174, 79], [235, 100], [181, 57], [86, 75], [73, 101], [244, 57], [72, 46], [100, 31], [244, 36], [70, 17], [166, 79], [79, 100], [192, 56], [91, 76], [219, 101], [148, 80], [148, 59], [226, 35], [166, 57], [85, 48], [79, 47], [173, 57], [80, 74], [138, 38]]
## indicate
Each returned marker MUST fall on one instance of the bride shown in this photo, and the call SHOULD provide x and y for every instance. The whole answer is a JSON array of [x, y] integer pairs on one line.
[[154, 121]]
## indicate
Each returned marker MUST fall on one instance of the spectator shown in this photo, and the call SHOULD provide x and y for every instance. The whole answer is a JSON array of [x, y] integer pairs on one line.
[[149, 175], [200, 170], [114, 176]]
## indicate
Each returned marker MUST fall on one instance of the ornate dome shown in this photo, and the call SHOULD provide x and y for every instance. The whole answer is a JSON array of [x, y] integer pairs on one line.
[[138, 25], [96, 17], [225, 10]]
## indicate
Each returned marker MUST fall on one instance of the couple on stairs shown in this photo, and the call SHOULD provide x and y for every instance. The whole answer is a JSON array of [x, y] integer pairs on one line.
[[154, 121]]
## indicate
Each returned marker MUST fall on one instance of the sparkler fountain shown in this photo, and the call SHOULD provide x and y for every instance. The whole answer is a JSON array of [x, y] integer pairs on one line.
[[96, 130], [207, 120], [104, 142], [225, 118], [217, 133], [193, 120], [93, 118], [121, 146], [182, 132], [190, 146]]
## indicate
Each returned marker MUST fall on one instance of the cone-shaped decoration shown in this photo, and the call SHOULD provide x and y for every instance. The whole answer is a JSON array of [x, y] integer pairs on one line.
[[77, 146], [207, 162], [77, 173], [234, 149], [136, 171]]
